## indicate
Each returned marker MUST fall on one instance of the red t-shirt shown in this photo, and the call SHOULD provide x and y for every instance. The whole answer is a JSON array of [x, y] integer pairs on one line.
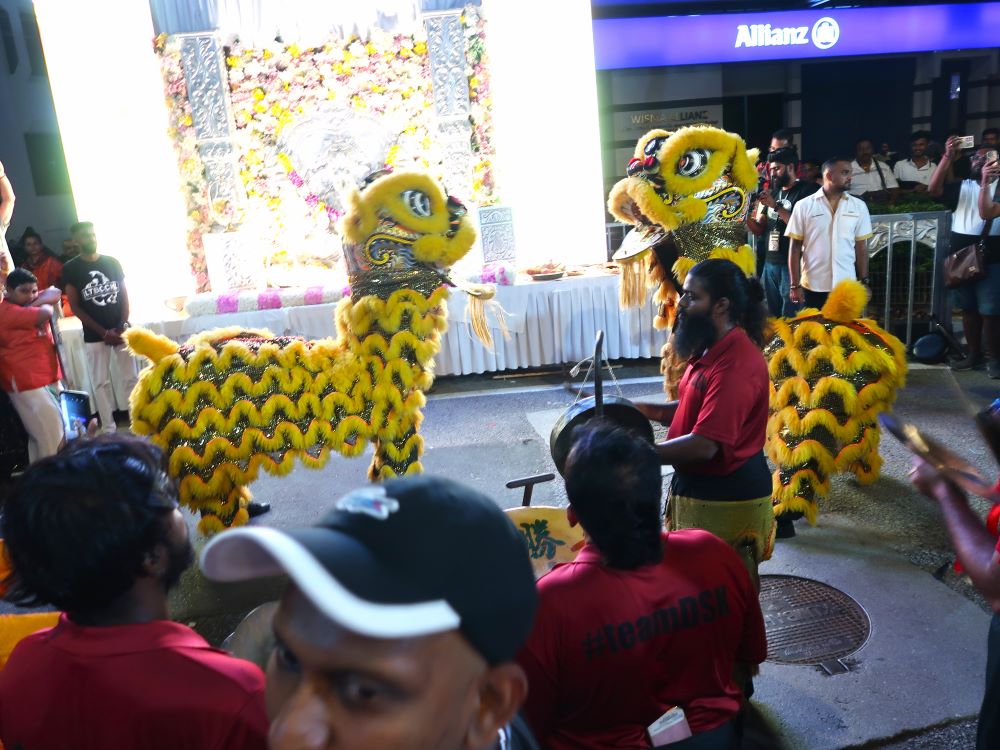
[[27, 355], [724, 397], [154, 686], [612, 650]]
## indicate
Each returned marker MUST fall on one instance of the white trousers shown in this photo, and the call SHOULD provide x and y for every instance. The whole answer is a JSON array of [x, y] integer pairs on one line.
[[99, 360], [39, 413]]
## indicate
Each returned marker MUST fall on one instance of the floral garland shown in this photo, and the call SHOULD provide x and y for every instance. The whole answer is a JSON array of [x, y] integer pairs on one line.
[[481, 105], [189, 162], [273, 87]]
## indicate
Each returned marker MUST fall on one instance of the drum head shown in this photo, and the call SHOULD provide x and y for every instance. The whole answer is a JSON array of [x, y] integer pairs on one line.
[[619, 410]]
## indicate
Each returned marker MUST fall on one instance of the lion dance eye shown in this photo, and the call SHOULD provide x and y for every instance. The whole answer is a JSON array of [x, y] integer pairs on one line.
[[419, 203], [693, 162]]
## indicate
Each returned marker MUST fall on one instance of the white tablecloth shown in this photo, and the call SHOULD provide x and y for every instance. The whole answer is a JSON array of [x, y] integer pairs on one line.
[[550, 323]]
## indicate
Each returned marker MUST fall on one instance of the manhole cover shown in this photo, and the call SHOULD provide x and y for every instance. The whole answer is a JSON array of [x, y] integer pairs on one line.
[[808, 622]]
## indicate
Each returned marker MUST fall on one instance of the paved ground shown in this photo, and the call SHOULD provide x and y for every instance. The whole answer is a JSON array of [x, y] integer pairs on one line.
[[915, 684]]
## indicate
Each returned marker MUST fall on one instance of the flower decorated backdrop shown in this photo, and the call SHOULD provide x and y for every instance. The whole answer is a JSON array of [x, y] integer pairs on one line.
[[384, 75]]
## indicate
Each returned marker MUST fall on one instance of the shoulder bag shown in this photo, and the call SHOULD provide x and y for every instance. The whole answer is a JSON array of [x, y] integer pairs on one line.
[[967, 265]]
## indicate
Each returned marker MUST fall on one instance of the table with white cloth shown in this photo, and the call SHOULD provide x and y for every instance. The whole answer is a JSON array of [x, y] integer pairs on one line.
[[549, 323]]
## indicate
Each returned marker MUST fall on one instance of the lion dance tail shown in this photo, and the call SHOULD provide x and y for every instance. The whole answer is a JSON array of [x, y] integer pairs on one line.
[[832, 373]]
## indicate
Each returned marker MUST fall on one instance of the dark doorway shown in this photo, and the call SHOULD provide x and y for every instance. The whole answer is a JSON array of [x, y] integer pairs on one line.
[[844, 101], [755, 117]]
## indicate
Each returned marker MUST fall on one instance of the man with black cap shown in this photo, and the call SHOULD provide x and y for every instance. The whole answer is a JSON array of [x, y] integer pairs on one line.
[[786, 190], [405, 607]]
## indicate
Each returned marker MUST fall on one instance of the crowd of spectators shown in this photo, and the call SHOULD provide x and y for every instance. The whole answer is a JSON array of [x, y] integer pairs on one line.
[[810, 224]]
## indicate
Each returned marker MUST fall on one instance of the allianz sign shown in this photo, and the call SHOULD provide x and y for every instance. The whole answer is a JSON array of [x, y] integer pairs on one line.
[[823, 34]]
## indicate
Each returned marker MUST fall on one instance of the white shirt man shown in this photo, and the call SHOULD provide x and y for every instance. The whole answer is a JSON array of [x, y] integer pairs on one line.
[[868, 174], [869, 180], [828, 230], [907, 171]]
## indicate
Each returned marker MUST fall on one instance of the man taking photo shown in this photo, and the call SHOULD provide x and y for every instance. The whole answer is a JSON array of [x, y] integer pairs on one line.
[[786, 190]]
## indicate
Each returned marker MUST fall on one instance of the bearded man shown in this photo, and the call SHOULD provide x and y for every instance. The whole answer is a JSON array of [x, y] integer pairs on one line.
[[718, 425]]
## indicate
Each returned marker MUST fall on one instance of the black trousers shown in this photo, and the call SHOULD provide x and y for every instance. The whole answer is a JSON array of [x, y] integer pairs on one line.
[[988, 732], [814, 299]]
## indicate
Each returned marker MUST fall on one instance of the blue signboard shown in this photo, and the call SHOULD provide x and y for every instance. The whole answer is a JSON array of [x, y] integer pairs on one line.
[[749, 37]]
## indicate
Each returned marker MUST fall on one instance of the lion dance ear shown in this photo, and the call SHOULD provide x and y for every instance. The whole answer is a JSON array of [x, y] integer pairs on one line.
[[744, 165], [359, 220]]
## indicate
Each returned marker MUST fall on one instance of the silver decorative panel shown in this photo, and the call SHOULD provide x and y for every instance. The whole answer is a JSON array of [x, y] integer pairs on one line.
[[446, 48], [205, 75], [208, 93], [496, 232]]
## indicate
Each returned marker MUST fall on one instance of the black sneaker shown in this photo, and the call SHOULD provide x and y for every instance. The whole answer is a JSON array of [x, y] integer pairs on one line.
[[967, 363], [257, 508], [785, 528]]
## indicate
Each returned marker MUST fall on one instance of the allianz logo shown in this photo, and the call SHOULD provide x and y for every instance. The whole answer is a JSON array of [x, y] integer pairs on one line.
[[823, 34]]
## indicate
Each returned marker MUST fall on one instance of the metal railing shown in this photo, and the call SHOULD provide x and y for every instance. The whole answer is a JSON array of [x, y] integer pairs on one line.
[[915, 288]]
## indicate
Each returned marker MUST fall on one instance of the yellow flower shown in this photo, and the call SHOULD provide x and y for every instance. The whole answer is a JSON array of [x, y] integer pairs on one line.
[[420, 48], [370, 48], [258, 94], [186, 120], [268, 54], [285, 162], [377, 89], [405, 52], [260, 107], [232, 62], [473, 83], [294, 50]]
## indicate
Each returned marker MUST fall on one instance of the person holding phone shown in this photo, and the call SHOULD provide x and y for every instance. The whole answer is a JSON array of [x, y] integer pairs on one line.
[[29, 367], [980, 300]]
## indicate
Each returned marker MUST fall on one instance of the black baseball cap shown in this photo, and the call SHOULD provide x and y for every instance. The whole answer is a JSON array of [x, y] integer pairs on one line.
[[405, 558]]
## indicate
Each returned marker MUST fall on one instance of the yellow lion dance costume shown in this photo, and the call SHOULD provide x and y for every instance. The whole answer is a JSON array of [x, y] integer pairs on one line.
[[686, 194], [832, 373], [231, 402]]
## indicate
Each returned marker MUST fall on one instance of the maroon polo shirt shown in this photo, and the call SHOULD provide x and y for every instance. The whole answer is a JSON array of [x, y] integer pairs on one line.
[[724, 397], [154, 686], [612, 650]]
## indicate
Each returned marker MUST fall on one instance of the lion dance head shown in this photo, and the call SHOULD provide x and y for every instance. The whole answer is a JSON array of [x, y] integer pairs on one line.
[[687, 195]]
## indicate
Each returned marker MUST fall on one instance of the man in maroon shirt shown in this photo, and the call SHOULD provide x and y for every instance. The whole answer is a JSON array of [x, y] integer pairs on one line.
[[718, 424], [642, 621], [95, 531]]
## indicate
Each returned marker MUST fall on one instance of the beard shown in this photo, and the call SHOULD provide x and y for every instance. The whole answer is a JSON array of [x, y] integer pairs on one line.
[[181, 557], [693, 334]]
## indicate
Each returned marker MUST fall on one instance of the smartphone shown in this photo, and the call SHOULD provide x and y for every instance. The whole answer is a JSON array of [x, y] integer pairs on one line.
[[967, 141], [991, 156], [75, 409]]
